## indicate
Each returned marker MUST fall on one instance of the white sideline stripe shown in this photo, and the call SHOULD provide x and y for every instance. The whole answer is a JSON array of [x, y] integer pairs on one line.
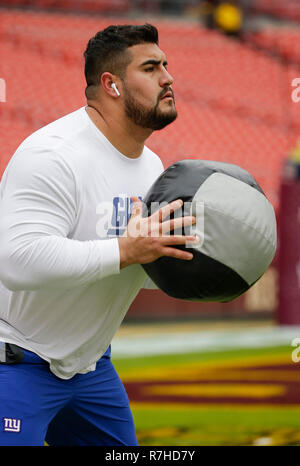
[[201, 341]]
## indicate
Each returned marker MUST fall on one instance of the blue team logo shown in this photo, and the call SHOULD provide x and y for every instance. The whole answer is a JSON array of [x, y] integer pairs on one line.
[[114, 217]]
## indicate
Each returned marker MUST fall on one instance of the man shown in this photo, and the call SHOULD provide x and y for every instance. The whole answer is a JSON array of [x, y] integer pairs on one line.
[[70, 266]]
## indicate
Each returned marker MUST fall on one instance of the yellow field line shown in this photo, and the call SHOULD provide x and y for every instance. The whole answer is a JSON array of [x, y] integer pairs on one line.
[[217, 390], [136, 405], [204, 369], [243, 376]]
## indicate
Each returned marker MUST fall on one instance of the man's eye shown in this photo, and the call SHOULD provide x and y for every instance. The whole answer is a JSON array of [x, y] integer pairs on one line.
[[149, 69]]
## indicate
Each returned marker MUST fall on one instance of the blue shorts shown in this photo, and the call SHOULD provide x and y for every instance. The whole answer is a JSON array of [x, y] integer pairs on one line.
[[88, 409]]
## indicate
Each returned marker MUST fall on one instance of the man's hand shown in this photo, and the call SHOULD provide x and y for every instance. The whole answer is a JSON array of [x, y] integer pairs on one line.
[[147, 239]]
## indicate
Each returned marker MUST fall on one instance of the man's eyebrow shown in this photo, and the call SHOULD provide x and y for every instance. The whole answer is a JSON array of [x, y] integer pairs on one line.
[[154, 62]]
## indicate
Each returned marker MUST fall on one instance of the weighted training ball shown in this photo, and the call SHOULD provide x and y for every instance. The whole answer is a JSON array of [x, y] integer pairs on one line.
[[237, 231]]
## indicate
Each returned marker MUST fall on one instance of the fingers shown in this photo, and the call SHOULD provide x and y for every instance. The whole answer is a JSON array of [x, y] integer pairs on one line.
[[173, 224], [162, 213], [178, 254], [178, 239], [165, 211]]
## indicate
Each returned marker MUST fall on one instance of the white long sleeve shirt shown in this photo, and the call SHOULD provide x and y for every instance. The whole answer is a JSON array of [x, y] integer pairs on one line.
[[64, 199]]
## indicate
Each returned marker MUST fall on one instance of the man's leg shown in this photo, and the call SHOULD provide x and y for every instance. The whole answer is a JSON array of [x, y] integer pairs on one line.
[[99, 413], [30, 396]]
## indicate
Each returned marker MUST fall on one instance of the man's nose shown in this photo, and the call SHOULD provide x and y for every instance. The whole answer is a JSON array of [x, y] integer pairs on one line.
[[166, 79]]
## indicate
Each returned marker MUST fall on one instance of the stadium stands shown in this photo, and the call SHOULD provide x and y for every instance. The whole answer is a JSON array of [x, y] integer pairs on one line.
[[281, 42], [233, 101], [89, 6], [288, 9]]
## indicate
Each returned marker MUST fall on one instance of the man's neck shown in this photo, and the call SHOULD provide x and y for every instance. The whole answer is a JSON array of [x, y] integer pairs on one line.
[[126, 138]]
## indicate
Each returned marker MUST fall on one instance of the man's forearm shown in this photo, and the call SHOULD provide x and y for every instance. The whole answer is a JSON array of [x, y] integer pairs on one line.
[[53, 261]]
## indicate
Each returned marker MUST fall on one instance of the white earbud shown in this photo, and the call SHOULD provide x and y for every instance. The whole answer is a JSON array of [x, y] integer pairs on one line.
[[113, 85]]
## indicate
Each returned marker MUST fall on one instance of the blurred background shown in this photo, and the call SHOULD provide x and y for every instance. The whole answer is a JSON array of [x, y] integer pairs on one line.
[[196, 373]]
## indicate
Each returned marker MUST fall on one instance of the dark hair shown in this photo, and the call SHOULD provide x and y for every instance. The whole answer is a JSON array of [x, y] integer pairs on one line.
[[106, 50]]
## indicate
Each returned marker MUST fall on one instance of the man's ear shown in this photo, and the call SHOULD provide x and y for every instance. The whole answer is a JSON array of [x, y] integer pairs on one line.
[[107, 81]]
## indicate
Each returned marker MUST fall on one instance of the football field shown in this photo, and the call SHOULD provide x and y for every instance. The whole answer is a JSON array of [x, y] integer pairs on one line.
[[239, 392]]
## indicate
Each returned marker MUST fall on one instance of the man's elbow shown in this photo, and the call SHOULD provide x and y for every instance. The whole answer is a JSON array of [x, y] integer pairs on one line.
[[11, 281], [12, 285], [11, 275]]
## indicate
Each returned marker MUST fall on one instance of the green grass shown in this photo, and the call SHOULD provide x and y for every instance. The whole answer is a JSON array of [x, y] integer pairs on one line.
[[123, 364], [160, 424], [216, 426]]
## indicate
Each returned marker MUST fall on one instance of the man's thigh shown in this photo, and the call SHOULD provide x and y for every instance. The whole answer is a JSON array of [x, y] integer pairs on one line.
[[29, 399], [99, 413]]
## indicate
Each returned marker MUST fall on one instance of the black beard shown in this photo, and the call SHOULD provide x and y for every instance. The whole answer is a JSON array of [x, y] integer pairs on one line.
[[147, 118]]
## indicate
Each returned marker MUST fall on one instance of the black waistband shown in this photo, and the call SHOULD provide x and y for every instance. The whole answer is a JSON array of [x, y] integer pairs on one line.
[[10, 354], [13, 354]]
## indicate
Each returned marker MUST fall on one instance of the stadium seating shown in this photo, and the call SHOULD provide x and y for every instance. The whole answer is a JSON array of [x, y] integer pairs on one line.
[[233, 101], [282, 42], [289, 9], [89, 6]]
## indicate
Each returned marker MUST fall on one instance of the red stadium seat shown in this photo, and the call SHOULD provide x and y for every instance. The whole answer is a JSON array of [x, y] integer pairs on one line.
[[233, 101]]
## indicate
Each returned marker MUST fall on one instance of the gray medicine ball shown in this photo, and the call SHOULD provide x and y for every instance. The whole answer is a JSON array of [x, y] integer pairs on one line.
[[237, 229]]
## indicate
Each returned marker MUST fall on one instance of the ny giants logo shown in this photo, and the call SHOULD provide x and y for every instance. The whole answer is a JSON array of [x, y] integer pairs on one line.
[[11, 425]]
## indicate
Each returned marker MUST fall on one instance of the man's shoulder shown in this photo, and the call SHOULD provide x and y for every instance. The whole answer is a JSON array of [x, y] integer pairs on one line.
[[51, 149], [55, 134]]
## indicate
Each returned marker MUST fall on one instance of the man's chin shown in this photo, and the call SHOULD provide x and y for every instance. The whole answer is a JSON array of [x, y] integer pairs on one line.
[[164, 120]]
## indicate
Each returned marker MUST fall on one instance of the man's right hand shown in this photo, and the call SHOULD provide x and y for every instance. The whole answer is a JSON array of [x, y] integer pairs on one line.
[[147, 238]]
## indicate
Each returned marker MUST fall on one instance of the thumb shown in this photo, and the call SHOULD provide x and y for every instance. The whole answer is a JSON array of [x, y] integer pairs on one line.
[[137, 206]]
